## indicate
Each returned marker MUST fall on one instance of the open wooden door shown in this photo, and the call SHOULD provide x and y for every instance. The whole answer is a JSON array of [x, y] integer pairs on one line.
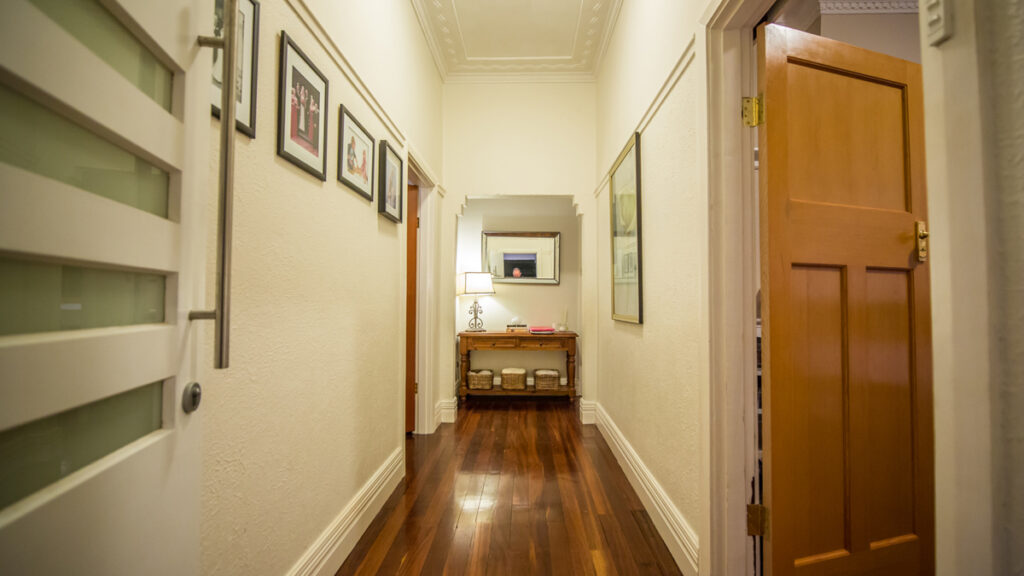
[[847, 347], [412, 224]]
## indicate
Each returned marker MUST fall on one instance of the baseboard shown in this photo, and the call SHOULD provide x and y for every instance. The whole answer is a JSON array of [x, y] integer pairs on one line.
[[588, 413], [330, 549], [677, 533], [447, 410]]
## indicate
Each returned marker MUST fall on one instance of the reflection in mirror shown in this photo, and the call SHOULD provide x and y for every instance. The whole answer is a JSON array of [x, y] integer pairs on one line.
[[521, 257]]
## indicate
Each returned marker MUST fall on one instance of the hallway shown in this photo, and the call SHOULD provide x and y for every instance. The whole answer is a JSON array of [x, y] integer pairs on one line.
[[514, 487]]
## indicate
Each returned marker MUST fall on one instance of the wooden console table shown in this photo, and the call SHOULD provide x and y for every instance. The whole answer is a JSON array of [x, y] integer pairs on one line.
[[559, 341]]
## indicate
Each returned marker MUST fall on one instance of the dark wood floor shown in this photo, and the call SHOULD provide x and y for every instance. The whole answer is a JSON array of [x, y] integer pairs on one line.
[[516, 487]]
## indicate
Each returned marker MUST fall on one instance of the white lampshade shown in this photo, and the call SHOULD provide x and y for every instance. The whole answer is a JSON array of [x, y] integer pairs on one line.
[[477, 283]]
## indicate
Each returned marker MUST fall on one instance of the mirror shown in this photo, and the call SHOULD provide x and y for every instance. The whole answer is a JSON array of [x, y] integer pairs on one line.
[[521, 257]]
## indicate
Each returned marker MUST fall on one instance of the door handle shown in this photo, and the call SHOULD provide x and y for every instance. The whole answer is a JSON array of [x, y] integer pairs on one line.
[[221, 314], [921, 236]]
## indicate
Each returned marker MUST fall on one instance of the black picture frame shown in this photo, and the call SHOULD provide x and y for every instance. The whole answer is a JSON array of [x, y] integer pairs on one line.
[[389, 159], [292, 144], [249, 129], [347, 121], [626, 232]]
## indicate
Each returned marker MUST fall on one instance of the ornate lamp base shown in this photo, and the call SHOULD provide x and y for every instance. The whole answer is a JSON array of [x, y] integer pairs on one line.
[[475, 323]]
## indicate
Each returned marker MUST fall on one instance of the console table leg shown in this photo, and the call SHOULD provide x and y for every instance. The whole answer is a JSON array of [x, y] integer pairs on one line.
[[571, 375]]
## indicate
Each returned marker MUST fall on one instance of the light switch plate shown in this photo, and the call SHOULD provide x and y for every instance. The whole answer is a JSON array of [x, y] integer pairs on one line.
[[939, 15]]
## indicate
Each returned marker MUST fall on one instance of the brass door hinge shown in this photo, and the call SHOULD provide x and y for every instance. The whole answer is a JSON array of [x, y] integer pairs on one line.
[[415, 387], [753, 111], [757, 520]]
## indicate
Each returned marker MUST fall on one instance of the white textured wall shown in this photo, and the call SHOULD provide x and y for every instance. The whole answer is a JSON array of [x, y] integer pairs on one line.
[[654, 377], [893, 34], [312, 404], [534, 304], [1002, 68], [974, 90]]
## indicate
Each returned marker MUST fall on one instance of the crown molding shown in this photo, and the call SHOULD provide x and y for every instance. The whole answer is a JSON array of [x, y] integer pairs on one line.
[[428, 37], [519, 70], [868, 6], [520, 78]]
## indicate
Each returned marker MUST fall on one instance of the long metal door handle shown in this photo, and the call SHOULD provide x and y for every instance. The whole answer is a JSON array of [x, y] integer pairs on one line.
[[222, 313]]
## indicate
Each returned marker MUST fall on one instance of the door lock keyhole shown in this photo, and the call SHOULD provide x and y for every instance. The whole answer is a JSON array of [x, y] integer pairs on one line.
[[191, 398]]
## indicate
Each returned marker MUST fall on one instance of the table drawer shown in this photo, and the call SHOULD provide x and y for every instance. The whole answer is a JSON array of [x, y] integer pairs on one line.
[[491, 343], [545, 344]]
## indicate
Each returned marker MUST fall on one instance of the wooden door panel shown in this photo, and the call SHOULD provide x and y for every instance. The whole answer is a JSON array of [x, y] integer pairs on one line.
[[835, 125], [882, 388], [847, 378], [814, 404]]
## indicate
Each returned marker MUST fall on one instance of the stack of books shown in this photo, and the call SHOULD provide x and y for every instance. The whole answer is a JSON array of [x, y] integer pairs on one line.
[[541, 330], [516, 328]]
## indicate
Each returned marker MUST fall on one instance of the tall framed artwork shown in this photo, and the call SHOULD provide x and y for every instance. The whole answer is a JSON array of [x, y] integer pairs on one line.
[[302, 111], [389, 187], [355, 154], [248, 23], [627, 248]]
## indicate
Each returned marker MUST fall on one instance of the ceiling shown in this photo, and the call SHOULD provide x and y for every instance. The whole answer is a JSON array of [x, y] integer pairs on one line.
[[515, 38]]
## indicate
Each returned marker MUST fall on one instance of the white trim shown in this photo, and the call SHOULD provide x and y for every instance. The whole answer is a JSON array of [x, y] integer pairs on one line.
[[677, 533], [447, 410], [588, 411], [868, 6], [327, 553]]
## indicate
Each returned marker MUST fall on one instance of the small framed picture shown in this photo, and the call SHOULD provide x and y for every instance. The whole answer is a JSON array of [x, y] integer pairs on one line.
[[247, 24], [627, 249], [355, 154], [302, 111], [389, 187]]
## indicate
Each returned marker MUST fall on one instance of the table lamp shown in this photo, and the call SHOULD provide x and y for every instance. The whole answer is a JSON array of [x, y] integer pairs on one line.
[[475, 284]]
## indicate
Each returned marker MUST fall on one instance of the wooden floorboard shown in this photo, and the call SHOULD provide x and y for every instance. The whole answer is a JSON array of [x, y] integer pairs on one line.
[[514, 487]]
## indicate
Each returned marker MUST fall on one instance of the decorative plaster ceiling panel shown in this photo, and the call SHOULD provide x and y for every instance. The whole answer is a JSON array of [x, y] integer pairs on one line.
[[512, 38]]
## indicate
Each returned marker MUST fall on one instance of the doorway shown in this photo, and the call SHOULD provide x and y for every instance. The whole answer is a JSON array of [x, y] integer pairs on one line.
[[412, 229], [735, 283]]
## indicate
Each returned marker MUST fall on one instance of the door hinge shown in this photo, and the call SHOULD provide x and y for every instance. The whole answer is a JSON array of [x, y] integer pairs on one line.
[[415, 387], [757, 520], [753, 111]]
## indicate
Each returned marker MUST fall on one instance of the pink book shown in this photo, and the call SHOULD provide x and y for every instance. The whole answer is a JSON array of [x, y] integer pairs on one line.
[[542, 329]]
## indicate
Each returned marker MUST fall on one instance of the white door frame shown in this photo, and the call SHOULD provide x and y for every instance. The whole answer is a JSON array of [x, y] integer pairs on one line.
[[733, 278], [430, 197]]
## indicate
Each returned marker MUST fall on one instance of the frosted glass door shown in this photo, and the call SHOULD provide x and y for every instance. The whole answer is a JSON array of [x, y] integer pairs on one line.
[[101, 244]]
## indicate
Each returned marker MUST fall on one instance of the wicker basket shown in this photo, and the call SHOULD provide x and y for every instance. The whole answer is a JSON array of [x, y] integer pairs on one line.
[[480, 379], [513, 379], [546, 379]]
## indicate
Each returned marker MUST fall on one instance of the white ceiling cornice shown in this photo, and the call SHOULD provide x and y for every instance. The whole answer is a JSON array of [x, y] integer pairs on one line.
[[571, 49], [868, 6]]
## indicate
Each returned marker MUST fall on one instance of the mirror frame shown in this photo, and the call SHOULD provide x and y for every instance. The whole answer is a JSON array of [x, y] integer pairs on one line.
[[558, 256]]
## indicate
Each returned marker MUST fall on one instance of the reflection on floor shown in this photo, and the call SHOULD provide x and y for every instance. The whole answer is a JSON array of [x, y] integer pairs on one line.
[[515, 487]]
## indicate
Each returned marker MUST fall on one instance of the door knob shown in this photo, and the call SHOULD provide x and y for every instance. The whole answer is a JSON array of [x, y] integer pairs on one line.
[[191, 398], [921, 230]]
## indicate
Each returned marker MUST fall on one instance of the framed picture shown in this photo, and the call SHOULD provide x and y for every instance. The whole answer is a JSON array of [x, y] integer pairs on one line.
[[627, 253], [302, 111], [389, 187], [247, 36], [355, 154]]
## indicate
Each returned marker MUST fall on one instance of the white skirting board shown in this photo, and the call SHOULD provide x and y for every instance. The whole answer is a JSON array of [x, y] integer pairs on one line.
[[330, 549], [677, 533], [588, 411], [447, 410]]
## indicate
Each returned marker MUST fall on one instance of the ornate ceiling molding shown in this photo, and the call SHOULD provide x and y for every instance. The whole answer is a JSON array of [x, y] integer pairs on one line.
[[868, 6], [445, 37]]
